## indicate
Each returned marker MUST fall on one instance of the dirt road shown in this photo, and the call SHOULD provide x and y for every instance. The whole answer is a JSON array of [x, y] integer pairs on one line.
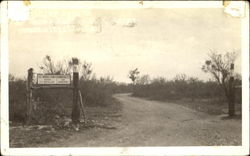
[[153, 123]]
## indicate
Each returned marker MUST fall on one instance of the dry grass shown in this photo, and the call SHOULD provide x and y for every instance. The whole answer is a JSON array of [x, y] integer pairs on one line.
[[101, 117], [213, 108]]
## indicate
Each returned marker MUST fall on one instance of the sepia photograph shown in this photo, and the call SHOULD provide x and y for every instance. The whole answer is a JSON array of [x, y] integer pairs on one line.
[[124, 77]]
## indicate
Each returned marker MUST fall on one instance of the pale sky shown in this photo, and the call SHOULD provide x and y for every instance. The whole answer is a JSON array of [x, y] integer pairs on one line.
[[158, 41]]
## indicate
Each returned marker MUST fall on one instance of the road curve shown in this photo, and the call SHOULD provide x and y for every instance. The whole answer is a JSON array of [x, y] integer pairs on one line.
[[154, 123]]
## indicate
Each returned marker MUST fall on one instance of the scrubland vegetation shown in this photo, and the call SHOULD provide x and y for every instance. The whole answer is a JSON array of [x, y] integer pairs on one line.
[[53, 107], [189, 91], [211, 96], [51, 102]]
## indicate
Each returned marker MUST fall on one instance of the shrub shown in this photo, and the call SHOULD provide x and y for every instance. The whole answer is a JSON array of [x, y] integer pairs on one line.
[[50, 102], [183, 87], [17, 100]]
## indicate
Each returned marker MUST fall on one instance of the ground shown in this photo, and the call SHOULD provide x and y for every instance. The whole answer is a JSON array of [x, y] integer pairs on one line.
[[143, 122]]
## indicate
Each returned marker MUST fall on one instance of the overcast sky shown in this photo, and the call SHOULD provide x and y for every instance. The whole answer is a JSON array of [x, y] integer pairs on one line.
[[160, 42]]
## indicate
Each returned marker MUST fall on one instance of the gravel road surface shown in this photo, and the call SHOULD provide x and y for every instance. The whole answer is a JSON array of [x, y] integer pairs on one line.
[[154, 123]]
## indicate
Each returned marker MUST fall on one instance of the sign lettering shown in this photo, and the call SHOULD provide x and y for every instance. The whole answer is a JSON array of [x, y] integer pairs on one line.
[[53, 79]]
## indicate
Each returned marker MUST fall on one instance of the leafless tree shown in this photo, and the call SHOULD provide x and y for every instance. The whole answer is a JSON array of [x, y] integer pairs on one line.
[[219, 66], [144, 79], [86, 70], [193, 83], [180, 77], [107, 79], [50, 67]]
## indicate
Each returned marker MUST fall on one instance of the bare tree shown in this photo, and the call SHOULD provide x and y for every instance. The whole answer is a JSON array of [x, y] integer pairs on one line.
[[219, 66], [193, 84], [11, 78], [50, 67], [107, 79], [144, 79], [180, 77], [86, 70]]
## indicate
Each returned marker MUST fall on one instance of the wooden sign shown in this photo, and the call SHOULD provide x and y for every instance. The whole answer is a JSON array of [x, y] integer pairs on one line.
[[53, 79]]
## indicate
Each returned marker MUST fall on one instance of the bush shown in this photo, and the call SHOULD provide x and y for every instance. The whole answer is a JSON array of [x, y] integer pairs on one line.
[[96, 92], [50, 102], [180, 88], [17, 100]]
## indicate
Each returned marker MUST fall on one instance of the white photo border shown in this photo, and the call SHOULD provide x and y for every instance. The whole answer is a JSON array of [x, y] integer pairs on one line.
[[180, 150]]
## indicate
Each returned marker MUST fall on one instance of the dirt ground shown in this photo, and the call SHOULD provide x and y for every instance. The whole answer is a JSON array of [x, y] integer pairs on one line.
[[152, 123]]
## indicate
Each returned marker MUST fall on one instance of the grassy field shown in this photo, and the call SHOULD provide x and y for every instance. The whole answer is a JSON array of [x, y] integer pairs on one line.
[[212, 108]]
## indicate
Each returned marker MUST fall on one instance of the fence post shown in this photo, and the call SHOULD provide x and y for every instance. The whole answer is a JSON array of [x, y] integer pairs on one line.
[[231, 109], [75, 116], [29, 95]]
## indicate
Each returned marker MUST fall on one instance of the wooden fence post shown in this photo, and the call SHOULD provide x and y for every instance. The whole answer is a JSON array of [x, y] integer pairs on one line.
[[75, 116], [29, 95], [231, 109], [82, 108]]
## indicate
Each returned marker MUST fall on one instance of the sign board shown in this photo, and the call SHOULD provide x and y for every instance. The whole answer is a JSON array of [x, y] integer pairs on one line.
[[53, 79]]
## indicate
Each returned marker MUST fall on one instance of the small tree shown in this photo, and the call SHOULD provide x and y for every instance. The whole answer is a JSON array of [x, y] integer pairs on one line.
[[220, 67], [86, 71], [144, 79], [50, 67], [193, 83], [134, 75], [180, 83], [180, 78]]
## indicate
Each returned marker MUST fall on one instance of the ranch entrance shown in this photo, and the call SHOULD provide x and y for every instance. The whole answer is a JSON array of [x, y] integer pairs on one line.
[[58, 95]]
